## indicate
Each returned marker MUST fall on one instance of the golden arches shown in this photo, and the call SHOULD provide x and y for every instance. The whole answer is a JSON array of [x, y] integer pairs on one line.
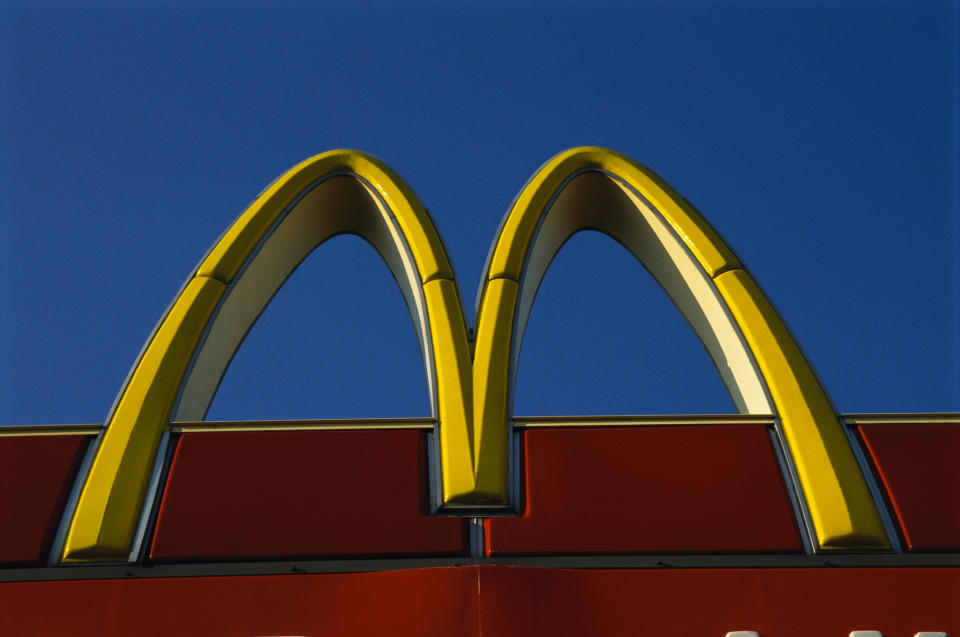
[[347, 191]]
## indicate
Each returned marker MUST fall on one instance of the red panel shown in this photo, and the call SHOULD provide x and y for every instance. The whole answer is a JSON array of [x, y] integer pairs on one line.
[[649, 489], [439, 602], [813, 602], [496, 601], [36, 476], [919, 464], [300, 493]]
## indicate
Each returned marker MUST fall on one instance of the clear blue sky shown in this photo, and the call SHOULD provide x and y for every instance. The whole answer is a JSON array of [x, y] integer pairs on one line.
[[822, 142]]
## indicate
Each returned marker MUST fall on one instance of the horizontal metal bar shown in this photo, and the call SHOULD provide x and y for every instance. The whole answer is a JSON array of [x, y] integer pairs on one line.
[[539, 422], [854, 420], [758, 560], [303, 425], [223, 569], [290, 567], [520, 422], [51, 430]]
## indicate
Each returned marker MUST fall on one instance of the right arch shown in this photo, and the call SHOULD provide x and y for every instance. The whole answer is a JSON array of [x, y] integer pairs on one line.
[[761, 365]]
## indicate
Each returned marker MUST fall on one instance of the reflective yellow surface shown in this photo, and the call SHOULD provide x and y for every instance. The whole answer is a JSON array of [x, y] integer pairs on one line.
[[451, 352], [108, 509], [471, 383], [234, 248], [840, 505], [491, 378], [517, 232], [842, 511]]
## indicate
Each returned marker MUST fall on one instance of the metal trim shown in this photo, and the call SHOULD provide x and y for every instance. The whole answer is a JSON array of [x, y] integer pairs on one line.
[[854, 420], [652, 420], [331, 424], [51, 430], [649, 561]]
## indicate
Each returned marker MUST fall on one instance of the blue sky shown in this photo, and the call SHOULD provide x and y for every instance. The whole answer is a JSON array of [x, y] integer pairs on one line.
[[822, 142]]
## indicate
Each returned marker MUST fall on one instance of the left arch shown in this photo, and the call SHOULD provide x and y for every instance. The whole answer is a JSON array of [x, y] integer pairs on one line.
[[181, 366]]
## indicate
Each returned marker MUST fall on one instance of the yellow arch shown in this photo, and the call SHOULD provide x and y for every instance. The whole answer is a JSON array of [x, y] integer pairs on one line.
[[347, 191], [183, 361], [761, 364]]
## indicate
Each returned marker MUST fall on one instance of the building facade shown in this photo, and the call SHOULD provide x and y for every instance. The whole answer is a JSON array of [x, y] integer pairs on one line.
[[783, 520]]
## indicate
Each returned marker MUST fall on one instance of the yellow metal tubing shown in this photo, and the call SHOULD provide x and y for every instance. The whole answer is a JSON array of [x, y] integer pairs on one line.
[[472, 386], [843, 513], [841, 508], [451, 351], [108, 510], [519, 227], [233, 249], [491, 378]]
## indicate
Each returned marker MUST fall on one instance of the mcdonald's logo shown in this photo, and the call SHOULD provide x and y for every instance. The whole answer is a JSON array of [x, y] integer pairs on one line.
[[470, 380]]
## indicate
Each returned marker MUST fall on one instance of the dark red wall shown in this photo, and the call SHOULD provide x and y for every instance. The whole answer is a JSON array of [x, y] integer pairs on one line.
[[280, 494], [497, 601], [649, 490], [36, 476]]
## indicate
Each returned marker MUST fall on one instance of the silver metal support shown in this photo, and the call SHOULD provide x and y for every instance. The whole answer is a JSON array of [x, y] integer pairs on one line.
[[150, 503], [476, 538], [798, 502], [516, 473], [434, 473], [867, 470], [57, 549]]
